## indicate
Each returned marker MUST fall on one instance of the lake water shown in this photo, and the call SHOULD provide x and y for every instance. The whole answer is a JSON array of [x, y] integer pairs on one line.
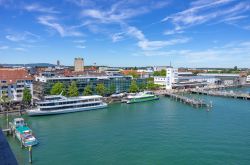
[[156, 132]]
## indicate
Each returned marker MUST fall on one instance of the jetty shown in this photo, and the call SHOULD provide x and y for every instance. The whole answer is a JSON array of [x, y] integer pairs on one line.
[[229, 94], [198, 103]]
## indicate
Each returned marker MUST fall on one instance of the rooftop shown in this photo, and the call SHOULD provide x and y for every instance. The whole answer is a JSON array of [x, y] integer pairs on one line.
[[12, 75]]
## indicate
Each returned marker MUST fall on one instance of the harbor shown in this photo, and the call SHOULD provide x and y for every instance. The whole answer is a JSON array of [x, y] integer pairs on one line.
[[164, 126]]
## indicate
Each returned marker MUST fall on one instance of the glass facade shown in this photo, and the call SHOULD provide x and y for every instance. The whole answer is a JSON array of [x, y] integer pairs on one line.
[[121, 83]]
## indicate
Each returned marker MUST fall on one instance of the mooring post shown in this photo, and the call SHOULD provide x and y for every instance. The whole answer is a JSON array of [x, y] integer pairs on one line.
[[30, 154]]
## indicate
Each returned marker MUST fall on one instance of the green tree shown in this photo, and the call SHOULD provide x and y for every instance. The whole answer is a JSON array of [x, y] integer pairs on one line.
[[112, 89], [151, 86], [142, 86], [4, 100], [73, 90], [133, 87], [100, 89], [160, 73], [87, 91], [26, 96], [57, 89]]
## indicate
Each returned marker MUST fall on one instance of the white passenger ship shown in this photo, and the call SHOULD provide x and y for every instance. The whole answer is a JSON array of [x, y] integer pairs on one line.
[[59, 104]]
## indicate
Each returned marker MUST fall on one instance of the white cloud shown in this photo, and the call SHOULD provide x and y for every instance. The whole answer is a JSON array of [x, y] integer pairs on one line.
[[38, 8], [155, 45], [51, 22], [117, 37], [24, 37], [202, 11], [146, 44], [123, 10], [231, 53]]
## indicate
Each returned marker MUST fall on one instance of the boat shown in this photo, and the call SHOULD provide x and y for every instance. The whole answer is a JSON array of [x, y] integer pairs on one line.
[[23, 132], [58, 104], [141, 97]]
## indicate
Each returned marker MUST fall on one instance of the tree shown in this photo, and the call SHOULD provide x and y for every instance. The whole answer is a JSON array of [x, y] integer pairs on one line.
[[87, 91], [57, 89], [26, 96], [4, 100], [73, 90], [112, 89], [100, 89], [235, 68], [133, 87], [142, 86], [160, 73], [151, 86]]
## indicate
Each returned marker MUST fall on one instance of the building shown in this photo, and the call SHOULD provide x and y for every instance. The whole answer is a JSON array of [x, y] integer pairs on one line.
[[13, 82], [248, 79], [226, 79], [171, 77], [159, 68], [43, 85], [79, 64], [58, 63]]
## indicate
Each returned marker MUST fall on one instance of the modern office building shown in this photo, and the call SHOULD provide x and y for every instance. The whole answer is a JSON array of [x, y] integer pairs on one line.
[[79, 64], [13, 82], [43, 84]]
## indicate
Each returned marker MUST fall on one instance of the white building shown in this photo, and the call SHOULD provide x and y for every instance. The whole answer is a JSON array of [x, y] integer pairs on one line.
[[13, 82], [171, 77], [248, 79], [160, 80], [181, 79]]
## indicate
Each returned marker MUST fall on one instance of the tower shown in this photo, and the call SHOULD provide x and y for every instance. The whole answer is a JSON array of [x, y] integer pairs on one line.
[[79, 64]]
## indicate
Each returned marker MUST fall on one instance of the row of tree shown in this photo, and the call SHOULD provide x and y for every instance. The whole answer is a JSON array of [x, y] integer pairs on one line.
[[60, 88]]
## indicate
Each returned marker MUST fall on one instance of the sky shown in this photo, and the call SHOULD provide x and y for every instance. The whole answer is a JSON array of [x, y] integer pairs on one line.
[[187, 33]]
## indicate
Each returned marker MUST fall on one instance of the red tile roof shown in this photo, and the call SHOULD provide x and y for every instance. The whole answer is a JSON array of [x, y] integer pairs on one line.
[[12, 75]]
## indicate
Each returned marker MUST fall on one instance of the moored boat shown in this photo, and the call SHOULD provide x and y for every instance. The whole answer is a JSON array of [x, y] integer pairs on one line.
[[23, 132], [141, 97], [59, 104]]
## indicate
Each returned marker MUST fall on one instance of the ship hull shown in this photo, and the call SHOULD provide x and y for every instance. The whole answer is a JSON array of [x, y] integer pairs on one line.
[[141, 100], [37, 112]]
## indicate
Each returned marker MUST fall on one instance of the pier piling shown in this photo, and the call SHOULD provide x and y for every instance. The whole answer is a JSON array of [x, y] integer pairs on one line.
[[30, 154]]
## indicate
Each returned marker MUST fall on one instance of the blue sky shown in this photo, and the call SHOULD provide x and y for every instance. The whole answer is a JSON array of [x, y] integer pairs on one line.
[[198, 33]]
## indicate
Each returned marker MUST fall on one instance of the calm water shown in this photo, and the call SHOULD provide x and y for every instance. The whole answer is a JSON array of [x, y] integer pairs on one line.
[[157, 132]]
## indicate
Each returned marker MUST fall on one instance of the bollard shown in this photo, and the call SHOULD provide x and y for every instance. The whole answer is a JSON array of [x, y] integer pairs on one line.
[[30, 154]]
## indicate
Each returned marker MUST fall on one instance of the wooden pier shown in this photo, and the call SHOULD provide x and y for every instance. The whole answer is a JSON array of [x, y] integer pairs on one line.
[[236, 95], [190, 101]]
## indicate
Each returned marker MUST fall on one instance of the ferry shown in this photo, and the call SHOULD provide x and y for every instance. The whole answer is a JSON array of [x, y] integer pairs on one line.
[[58, 104], [141, 97], [23, 132]]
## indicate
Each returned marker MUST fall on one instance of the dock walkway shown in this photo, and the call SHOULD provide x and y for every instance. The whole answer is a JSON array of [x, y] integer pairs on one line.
[[186, 100], [236, 95]]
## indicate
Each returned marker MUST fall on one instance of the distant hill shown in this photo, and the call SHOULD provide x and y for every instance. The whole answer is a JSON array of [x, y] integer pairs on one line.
[[28, 65]]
